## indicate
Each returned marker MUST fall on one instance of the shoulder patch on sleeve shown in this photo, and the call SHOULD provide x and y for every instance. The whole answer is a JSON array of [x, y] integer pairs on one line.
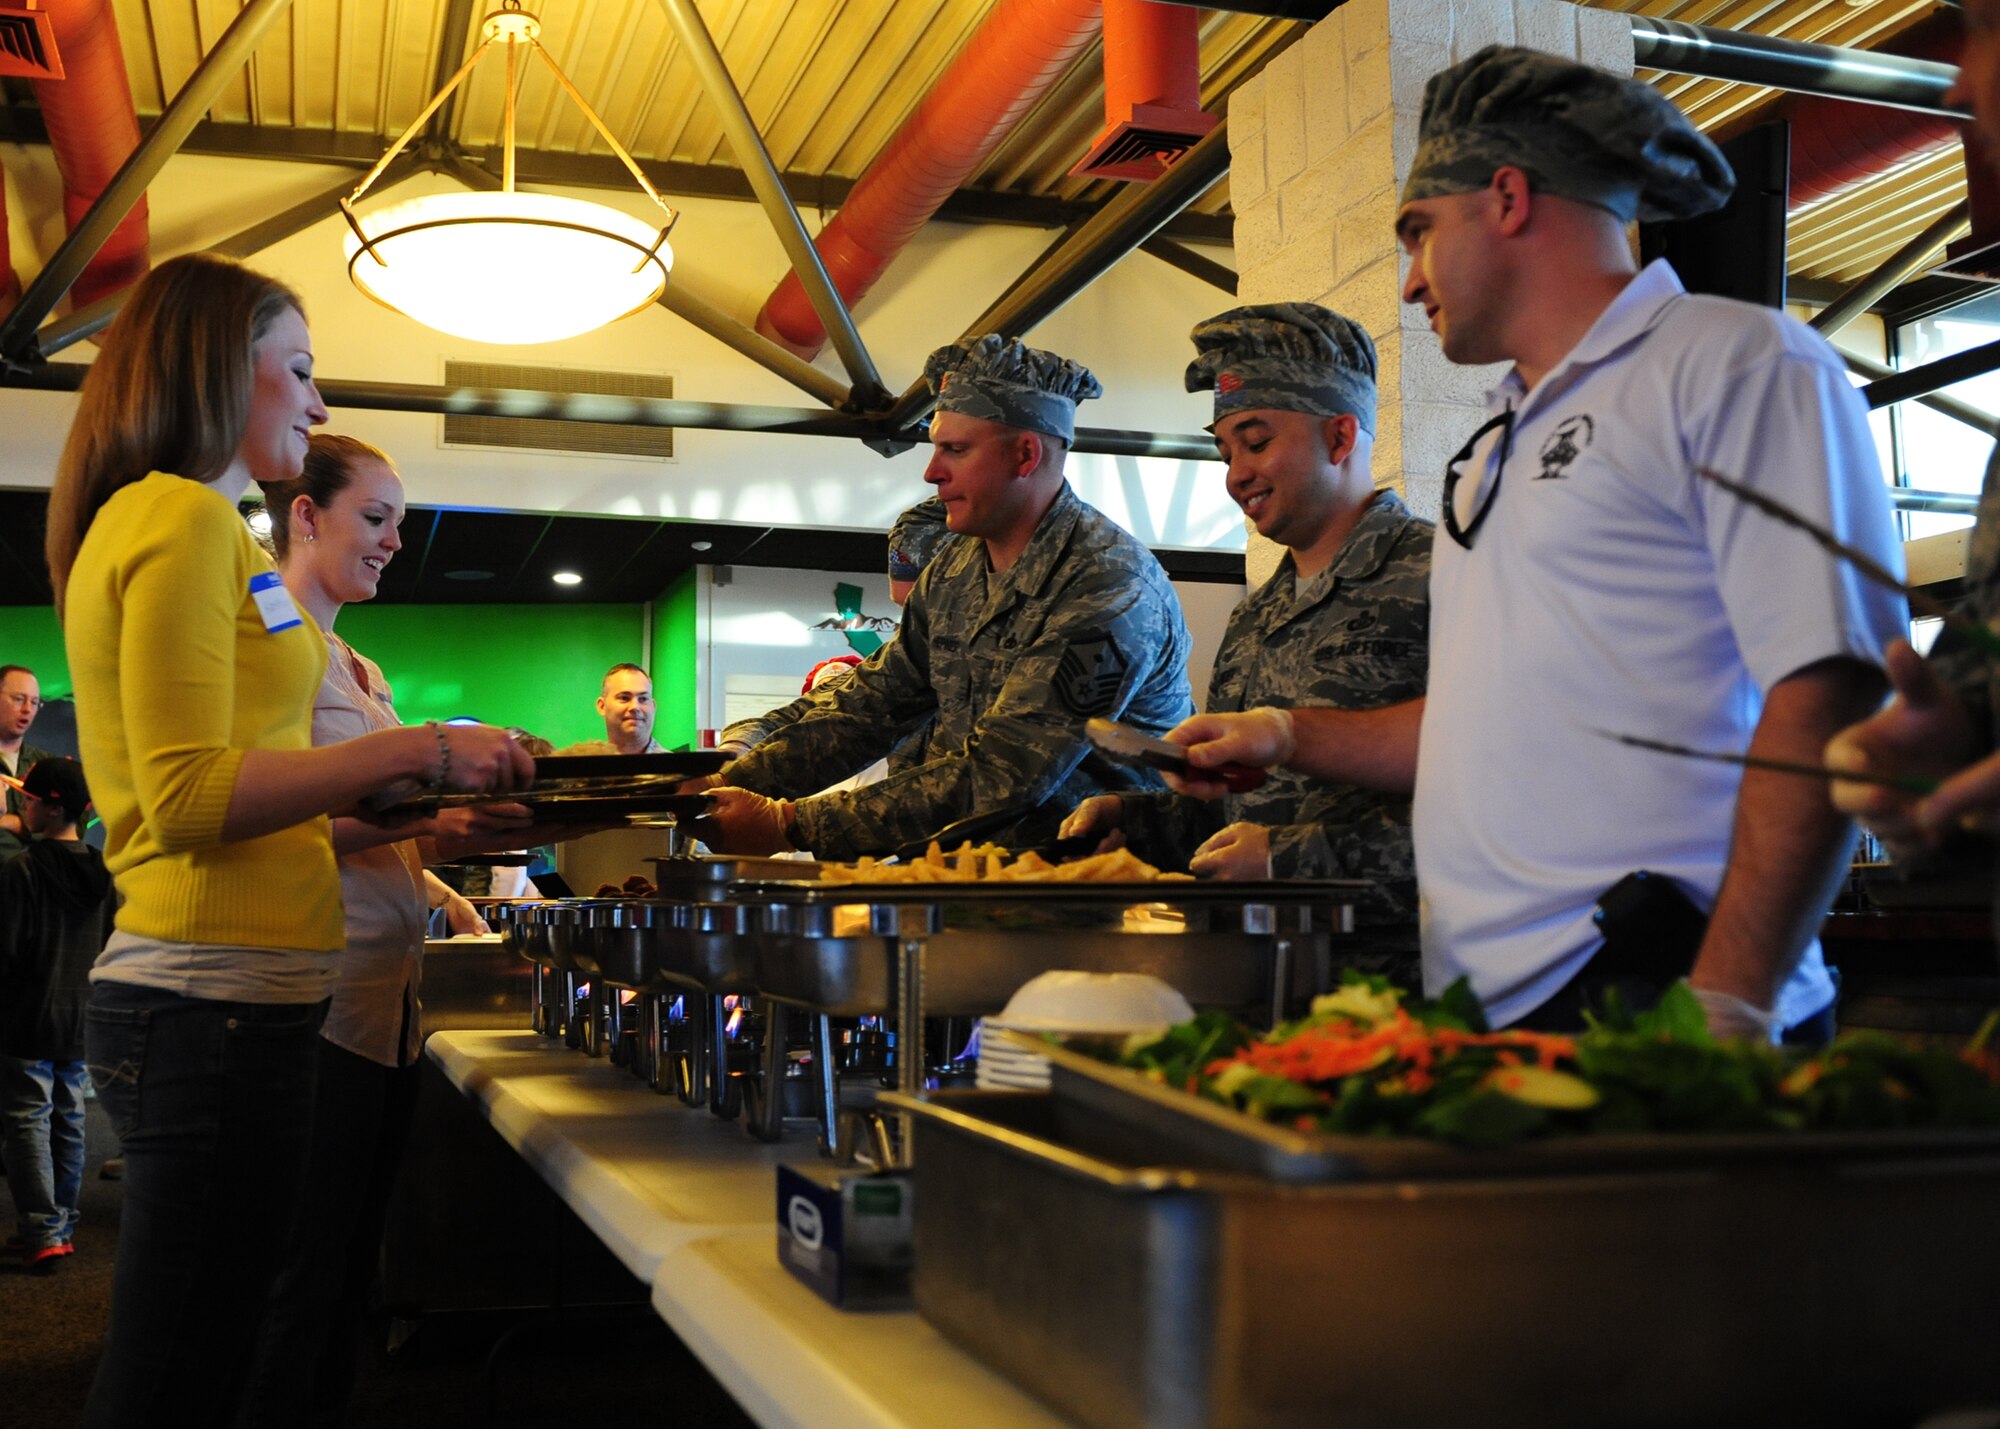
[[1090, 676]]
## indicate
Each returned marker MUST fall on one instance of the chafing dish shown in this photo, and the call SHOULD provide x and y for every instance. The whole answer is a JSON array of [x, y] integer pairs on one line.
[[708, 879], [524, 929], [685, 955], [963, 949], [1127, 1289]]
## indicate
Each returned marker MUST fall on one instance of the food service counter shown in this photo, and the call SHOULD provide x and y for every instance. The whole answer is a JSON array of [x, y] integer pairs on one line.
[[687, 1202]]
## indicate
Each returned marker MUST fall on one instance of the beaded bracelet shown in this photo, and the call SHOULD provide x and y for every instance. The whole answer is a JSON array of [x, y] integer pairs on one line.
[[444, 755]]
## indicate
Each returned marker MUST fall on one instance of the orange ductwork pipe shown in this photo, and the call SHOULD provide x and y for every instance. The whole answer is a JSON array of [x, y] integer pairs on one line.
[[1152, 91], [1019, 50], [93, 129]]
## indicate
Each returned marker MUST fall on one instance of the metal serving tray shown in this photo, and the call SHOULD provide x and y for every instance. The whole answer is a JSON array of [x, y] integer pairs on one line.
[[835, 948], [1830, 1291], [1125, 1114]]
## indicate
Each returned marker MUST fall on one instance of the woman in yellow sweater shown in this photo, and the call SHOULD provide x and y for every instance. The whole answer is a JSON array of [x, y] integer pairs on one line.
[[195, 675]]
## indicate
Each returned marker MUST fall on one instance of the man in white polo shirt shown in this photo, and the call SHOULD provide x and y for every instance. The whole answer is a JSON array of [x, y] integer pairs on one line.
[[1589, 580]]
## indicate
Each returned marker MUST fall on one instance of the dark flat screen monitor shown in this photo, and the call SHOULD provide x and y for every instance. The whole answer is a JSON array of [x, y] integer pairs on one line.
[[1739, 250]]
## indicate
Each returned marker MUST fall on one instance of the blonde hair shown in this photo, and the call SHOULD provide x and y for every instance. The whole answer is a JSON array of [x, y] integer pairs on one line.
[[330, 462], [170, 391]]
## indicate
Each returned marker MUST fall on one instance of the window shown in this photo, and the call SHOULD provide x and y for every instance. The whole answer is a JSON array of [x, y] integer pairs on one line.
[[1934, 452]]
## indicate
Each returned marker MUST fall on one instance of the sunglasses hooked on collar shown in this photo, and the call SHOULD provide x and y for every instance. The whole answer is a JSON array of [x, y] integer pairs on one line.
[[1453, 471]]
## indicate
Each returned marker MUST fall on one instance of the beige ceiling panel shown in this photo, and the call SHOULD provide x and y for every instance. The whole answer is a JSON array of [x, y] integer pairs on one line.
[[745, 53], [135, 36], [860, 24], [891, 51], [620, 89], [902, 90], [801, 48]]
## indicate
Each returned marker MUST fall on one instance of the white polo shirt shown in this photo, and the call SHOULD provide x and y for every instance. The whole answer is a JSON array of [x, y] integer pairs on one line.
[[1609, 588]]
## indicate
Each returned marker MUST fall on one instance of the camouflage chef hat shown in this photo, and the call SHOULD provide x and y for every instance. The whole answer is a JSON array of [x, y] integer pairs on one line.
[[1005, 381], [1577, 133], [915, 538], [1298, 357]]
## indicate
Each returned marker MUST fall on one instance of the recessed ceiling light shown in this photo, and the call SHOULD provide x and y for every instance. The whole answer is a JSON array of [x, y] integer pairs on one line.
[[567, 578], [701, 545], [260, 521], [468, 575]]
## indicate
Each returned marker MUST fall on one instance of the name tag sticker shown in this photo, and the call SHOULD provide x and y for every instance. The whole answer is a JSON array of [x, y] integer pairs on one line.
[[274, 602]]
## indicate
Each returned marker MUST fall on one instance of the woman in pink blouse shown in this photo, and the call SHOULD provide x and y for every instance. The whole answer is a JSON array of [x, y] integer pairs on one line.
[[334, 529]]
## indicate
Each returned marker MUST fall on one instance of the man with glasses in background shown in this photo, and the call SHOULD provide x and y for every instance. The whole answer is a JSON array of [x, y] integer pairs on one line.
[[20, 702], [1590, 582]]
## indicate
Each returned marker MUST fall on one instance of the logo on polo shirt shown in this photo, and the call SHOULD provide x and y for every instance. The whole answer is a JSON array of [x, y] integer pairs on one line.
[[1566, 443]]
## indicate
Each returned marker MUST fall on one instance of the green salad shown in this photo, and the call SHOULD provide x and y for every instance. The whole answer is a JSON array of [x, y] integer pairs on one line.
[[1370, 1061]]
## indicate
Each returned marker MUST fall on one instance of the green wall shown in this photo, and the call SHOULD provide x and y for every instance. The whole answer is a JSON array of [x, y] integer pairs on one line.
[[30, 636], [535, 667], [674, 660]]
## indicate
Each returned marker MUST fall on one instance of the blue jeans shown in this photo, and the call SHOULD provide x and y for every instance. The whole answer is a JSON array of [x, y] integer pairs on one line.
[[213, 1103], [41, 1131]]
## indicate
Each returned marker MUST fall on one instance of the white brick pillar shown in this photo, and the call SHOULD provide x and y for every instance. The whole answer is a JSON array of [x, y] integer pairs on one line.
[[1320, 143]]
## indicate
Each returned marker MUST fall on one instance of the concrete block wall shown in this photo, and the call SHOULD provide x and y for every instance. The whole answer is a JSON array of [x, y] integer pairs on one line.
[[1319, 145]]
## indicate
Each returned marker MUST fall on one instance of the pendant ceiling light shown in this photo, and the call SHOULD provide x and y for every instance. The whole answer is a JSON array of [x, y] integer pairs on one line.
[[508, 267]]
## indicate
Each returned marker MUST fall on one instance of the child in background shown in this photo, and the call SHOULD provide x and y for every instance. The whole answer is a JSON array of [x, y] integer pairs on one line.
[[56, 907]]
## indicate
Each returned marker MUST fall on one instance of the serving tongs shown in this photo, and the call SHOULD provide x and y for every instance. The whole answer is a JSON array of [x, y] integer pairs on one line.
[[976, 827], [1130, 746]]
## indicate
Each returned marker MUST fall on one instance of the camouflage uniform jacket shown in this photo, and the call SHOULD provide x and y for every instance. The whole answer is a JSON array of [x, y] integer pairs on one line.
[[1354, 637], [1006, 666]]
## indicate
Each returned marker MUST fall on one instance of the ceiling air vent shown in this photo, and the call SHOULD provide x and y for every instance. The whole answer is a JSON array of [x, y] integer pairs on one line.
[[1141, 151], [27, 41], [555, 434]]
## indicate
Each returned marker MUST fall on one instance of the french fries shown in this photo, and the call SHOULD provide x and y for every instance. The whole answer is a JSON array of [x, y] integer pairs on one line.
[[988, 863]]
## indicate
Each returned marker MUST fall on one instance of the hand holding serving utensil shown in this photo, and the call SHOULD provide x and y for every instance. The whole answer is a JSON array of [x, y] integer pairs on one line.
[[1130, 746]]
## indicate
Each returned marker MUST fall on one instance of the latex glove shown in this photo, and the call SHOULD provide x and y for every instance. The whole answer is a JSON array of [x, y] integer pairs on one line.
[[1731, 1019], [1238, 853], [1099, 814], [461, 917], [744, 823], [700, 784], [1261, 738], [1924, 731]]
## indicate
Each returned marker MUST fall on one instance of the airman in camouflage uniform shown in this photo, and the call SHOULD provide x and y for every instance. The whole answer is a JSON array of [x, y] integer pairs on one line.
[[1352, 633], [1006, 665]]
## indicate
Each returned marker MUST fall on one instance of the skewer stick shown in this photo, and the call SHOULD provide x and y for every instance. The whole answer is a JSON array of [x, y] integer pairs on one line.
[[1914, 784], [1980, 634]]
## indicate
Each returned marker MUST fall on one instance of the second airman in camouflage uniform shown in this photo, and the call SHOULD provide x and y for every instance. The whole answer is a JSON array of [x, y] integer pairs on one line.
[[1351, 632], [1007, 663]]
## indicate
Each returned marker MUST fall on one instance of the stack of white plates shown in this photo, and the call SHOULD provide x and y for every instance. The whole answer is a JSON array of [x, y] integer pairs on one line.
[[1074, 1004]]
